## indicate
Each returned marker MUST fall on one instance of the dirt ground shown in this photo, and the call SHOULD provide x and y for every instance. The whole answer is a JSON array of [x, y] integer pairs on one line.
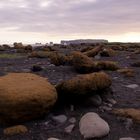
[[125, 97]]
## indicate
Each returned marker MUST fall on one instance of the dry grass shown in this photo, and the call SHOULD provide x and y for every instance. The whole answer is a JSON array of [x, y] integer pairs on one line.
[[60, 59], [107, 65], [14, 130], [127, 72], [129, 113], [136, 64], [93, 52]]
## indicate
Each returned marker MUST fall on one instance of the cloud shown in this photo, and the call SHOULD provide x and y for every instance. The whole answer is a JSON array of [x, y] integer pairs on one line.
[[62, 17]]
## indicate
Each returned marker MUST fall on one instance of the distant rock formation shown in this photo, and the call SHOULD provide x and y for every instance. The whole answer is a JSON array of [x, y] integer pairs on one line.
[[83, 41]]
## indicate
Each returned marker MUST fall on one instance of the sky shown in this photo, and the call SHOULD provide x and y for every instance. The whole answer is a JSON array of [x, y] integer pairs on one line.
[[31, 21]]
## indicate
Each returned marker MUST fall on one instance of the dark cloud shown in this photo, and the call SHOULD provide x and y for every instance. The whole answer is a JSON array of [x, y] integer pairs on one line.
[[69, 17]]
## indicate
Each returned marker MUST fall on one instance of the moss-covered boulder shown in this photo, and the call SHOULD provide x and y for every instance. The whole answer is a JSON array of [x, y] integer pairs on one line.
[[25, 96], [83, 86], [82, 63]]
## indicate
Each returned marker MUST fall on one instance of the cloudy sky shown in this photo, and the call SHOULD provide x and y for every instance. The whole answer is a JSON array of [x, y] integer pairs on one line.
[[33, 21]]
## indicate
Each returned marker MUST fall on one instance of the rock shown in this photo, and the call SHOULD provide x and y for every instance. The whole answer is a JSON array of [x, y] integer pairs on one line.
[[128, 124], [95, 100], [72, 120], [25, 96], [92, 126], [112, 101], [83, 85], [133, 86], [14, 130], [60, 118], [136, 64], [128, 138], [105, 108], [69, 128], [130, 113], [71, 107], [36, 68], [97, 57], [53, 139]]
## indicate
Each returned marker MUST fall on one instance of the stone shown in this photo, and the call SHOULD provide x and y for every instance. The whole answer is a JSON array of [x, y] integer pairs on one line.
[[93, 52], [128, 138], [72, 120], [95, 100], [36, 68], [25, 96], [60, 118], [133, 86], [92, 126], [112, 101], [14, 130], [105, 108], [69, 128], [128, 124], [53, 139]]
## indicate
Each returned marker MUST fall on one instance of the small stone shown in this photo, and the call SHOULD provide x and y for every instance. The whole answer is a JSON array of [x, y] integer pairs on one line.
[[69, 128], [14, 130], [110, 105], [71, 107], [128, 124], [95, 100], [60, 118], [105, 108], [92, 126], [128, 138], [36, 68], [115, 78], [72, 120], [26, 70], [97, 57], [133, 86], [46, 123], [112, 101], [53, 139]]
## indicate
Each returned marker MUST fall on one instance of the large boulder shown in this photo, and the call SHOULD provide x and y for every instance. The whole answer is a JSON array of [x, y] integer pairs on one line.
[[92, 126], [83, 85], [24, 96]]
